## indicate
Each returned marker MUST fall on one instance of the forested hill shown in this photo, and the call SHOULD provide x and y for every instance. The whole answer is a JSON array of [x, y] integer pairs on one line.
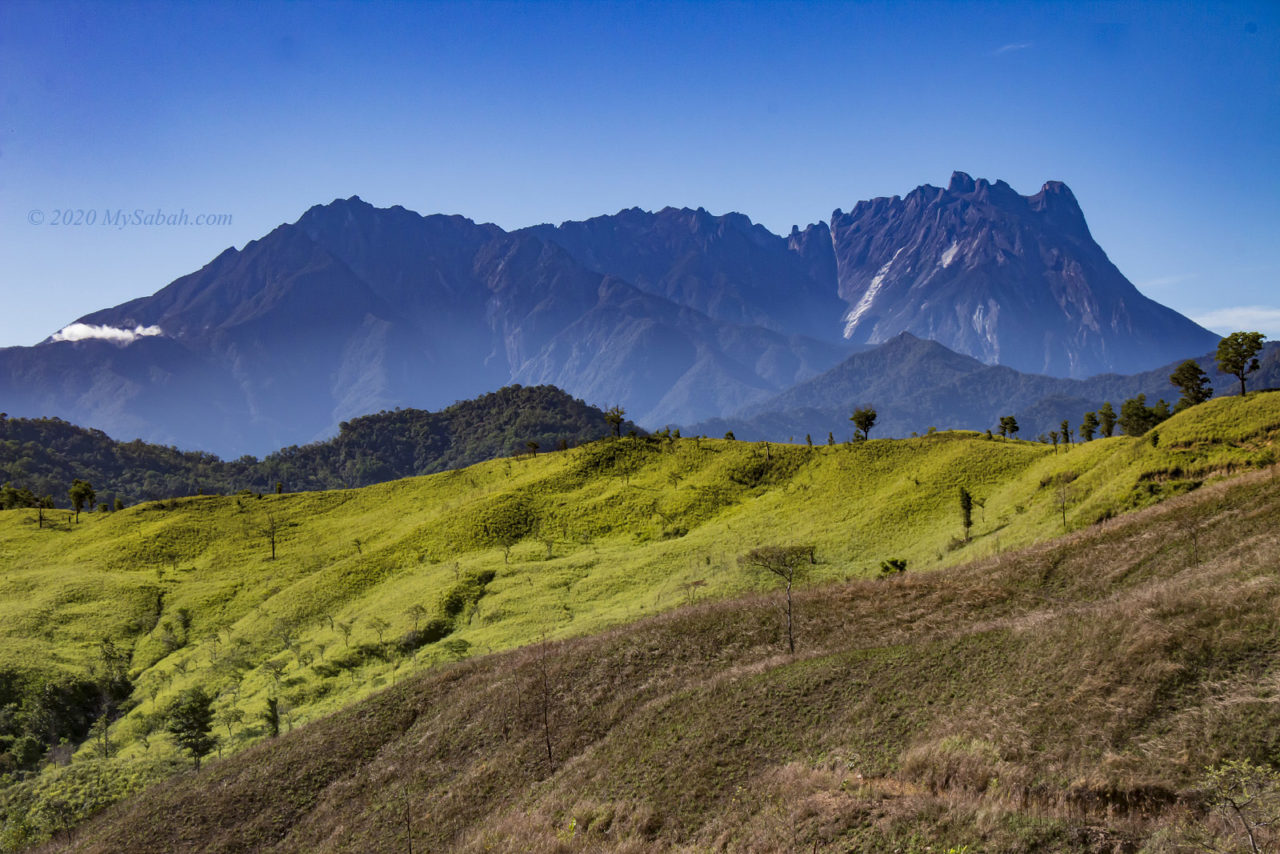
[[44, 455]]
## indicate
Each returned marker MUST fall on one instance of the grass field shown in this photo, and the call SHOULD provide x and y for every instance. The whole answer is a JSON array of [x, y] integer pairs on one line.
[[370, 586]]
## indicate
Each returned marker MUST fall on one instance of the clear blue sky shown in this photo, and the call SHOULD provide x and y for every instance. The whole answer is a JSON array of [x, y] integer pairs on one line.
[[1164, 118]]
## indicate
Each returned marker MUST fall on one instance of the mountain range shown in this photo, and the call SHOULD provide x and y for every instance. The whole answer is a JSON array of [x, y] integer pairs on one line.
[[680, 316]]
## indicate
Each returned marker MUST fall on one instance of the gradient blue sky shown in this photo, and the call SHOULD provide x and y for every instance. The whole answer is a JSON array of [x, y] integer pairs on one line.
[[1164, 118]]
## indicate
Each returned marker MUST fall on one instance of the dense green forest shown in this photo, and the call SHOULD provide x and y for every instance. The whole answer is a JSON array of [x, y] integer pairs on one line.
[[43, 456]]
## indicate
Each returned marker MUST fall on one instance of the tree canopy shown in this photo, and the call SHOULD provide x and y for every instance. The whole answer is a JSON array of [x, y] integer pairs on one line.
[[1238, 355], [863, 420], [1193, 382]]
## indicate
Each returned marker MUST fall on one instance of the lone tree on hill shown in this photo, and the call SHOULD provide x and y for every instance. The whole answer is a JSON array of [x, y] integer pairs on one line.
[[532, 447], [1107, 419], [863, 420], [1008, 426], [82, 495], [1193, 382], [1238, 355], [190, 722], [790, 563], [1089, 426], [613, 417], [268, 527]]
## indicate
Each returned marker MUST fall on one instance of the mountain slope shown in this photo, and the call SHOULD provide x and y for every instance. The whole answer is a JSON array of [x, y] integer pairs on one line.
[[307, 598], [725, 267], [1066, 697], [1009, 279]]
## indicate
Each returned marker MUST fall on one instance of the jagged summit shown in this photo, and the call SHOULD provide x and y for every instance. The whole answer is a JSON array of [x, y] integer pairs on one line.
[[1011, 279]]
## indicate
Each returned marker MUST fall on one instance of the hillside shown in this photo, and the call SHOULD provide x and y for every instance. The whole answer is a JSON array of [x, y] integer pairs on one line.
[[45, 455], [507, 553]]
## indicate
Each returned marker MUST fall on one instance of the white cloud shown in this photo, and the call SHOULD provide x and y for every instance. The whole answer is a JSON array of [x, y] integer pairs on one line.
[[1010, 48], [1246, 318], [82, 331]]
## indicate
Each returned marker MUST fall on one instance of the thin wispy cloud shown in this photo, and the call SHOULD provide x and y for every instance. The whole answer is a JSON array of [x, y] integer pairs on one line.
[[1166, 281], [1247, 318], [1011, 47]]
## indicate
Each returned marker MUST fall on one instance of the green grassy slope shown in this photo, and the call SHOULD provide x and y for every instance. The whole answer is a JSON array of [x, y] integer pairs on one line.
[[573, 543], [1065, 697]]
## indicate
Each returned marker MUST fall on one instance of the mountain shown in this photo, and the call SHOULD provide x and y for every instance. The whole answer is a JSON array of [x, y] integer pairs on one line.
[[1009, 279], [679, 316], [355, 309], [44, 455], [914, 385], [725, 267]]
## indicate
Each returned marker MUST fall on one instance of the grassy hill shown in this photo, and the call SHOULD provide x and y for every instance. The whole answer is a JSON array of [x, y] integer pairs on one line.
[[44, 455], [510, 553]]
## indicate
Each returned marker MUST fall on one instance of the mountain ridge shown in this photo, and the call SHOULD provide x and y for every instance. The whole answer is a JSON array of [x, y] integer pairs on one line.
[[679, 315]]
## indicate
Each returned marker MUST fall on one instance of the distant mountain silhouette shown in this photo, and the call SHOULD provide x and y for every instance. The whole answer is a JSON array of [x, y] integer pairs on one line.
[[914, 385]]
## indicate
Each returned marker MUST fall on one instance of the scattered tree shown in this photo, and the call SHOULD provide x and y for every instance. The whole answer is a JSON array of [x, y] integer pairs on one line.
[[415, 612], [532, 447], [1237, 355], [966, 511], [729, 435], [271, 717], [1089, 426], [82, 495], [190, 722], [345, 627], [1107, 419], [1008, 426], [863, 420], [831, 438], [790, 563], [1065, 430], [1244, 805], [1137, 418], [613, 417], [1193, 382], [892, 566], [268, 527], [379, 626]]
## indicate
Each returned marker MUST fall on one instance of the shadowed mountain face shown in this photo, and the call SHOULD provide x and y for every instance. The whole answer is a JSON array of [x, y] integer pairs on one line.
[[1008, 279], [355, 309], [679, 316], [725, 267]]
